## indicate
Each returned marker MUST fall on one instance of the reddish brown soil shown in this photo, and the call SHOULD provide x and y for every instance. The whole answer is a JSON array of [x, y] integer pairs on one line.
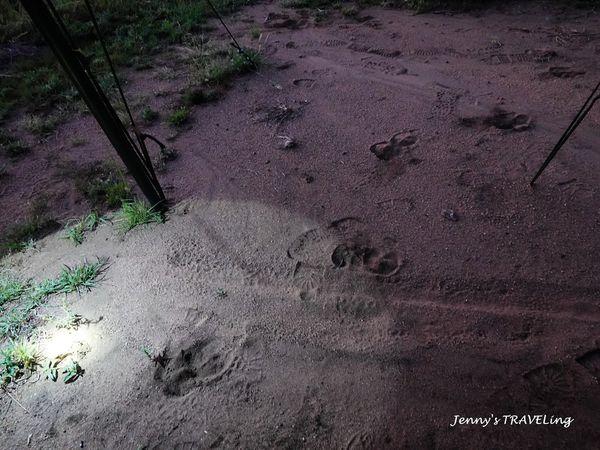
[[451, 287]]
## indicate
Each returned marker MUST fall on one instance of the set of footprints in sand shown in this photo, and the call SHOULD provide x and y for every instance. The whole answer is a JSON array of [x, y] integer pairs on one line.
[[202, 363], [323, 254], [489, 55], [342, 247], [551, 385]]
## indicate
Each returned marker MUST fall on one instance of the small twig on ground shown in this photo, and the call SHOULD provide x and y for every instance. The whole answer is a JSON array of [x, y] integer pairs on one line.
[[16, 401]]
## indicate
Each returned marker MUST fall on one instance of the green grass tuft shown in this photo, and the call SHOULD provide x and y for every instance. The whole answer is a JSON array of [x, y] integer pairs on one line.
[[44, 125], [116, 193], [83, 276], [75, 279], [133, 214], [75, 232], [245, 62], [11, 289], [148, 115], [103, 184], [17, 359], [350, 11], [78, 141], [20, 234], [197, 96], [179, 117], [44, 289], [215, 64], [255, 32], [37, 224], [11, 146], [92, 220], [13, 320]]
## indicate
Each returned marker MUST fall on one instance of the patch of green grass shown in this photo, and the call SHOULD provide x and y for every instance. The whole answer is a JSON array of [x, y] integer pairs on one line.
[[13, 19], [132, 33], [165, 155], [103, 184], [37, 224], [246, 61], [75, 231], [216, 65], [14, 319], [309, 4], [116, 193], [255, 32], [77, 278], [70, 279], [147, 351], [72, 370], [22, 246], [149, 115], [18, 359], [133, 214], [179, 116], [350, 11], [321, 15], [10, 289], [34, 83], [19, 234], [43, 289], [45, 82], [11, 146], [44, 124], [78, 141], [50, 370], [198, 96], [92, 220]]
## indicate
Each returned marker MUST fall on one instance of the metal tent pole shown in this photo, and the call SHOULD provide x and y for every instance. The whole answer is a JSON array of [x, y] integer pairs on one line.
[[585, 109], [75, 65]]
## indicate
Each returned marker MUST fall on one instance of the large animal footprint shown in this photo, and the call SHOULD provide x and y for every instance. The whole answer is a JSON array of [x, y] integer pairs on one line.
[[499, 118], [203, 363], [383, 264], [548, 385], [307, 280], [313, 247], [399, 144]]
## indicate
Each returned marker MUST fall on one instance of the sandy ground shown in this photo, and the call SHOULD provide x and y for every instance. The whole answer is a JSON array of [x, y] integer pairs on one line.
[[392, 271]]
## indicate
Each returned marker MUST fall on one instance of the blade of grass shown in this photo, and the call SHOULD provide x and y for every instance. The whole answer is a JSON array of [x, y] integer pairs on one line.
[[133, 214]]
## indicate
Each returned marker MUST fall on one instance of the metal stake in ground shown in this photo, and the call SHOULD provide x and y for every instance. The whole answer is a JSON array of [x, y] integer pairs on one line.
[[234, 42], [46, 19], [585, 109]]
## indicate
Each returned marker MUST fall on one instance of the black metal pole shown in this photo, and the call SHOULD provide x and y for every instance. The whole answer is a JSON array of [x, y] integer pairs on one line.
[[76, 67], [585, 109]]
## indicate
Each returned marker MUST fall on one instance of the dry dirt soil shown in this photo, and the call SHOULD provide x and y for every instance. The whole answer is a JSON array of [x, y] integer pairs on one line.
[[391, 271]]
